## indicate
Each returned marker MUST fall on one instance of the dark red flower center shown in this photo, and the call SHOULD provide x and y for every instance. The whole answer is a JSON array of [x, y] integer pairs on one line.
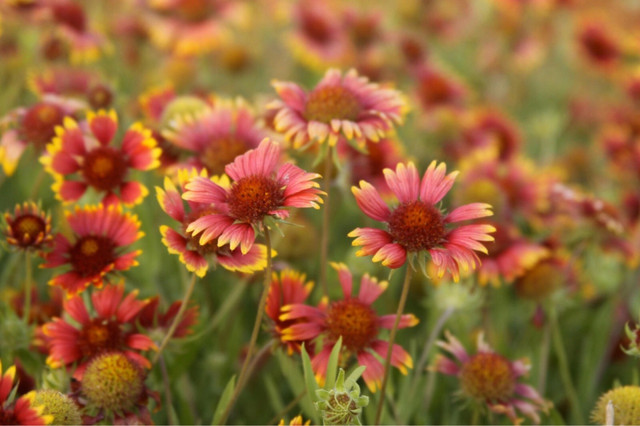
[[100, 96], [253, 197], [28, 228], [39, 122], [71, 14], [332, 102], [98, 336], [315, 26], [416, 226], [194, 10], [222, 151], [435, 90], [598, 45], [92, 254], [488, 376], [355, 321], [104, 168]]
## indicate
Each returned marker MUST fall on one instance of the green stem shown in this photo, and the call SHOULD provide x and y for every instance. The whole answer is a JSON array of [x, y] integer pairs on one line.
[[392, 338], [565, 375], [37, 183], [27, 287], [177, 319], [256, 329], [545, 347], [167, 391], [324, 242]]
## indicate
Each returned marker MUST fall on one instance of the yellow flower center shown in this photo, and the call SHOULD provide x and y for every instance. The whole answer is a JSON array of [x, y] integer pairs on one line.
[[354, 321], [222, 151], [253, 197], [332, 102], [104, 168], [416, 226], [626, 406], [488, 376]]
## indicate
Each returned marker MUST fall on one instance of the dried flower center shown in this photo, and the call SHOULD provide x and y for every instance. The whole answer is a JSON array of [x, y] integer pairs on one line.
[[254, 197], [417, 226], [540, 281], [488, 376], [104, 168], [28, 228], [98, 336], [354, 321], [222, 151], [39, 122], [113, 382], [92, 254], [331, 102]]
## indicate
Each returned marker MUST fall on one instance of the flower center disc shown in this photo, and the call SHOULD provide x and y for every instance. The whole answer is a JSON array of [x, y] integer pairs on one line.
[[104, 168], [253, 197], [354, 321], [315, 27], [416, 226], [331, 102], [90, 255], [222, 151], [98, 336], [540, 281], [488, 376], [27, 228], [39, 122]]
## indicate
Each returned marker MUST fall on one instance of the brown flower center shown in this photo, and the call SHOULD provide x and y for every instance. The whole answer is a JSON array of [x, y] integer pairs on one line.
[[253, 197], [104, 168], [435, 90], [194, 10], [92, 254], [314, 26], [39, 122], [488, 376], [417, 226], [331, 102], [598, 45], [540, 281], [100, 96], [222, 151], [98, 336], [28, 228], [354, 321]]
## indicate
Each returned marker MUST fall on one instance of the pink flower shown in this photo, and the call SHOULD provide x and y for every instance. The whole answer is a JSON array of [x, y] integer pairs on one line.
[[355, 321], [339, 106], [261, 188], [415, 224], [492, 379]]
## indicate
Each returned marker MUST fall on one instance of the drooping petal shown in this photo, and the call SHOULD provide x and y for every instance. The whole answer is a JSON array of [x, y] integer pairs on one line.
[[374, 372], [391, 255], [406, 320]]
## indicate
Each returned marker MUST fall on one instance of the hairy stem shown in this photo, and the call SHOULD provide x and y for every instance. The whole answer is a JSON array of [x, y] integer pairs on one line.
[[177, 319], [27, 287], [256, 330], [392, 338]]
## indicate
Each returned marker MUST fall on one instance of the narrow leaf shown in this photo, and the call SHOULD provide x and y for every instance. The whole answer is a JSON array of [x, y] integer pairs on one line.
[[225, 399], [332, 365]]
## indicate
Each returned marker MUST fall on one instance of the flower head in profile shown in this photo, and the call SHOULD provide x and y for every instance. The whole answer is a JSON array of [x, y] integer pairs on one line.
[[416, 224], [353, 319], [100, 236], [110, 325], [492, 379], [261, 188], [286, 288], [80, 161], [216, 136], [187, 244], [340, 106], [28, 228], [22, 411]]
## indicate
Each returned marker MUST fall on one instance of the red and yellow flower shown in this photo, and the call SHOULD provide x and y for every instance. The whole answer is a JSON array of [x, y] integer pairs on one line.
[[355, 321], [261, 188], [93, 162], [111, 328], [28, 228], [188, 244], [289, 287], [21, 411], [100, 235], [492, 379], [338, 107], [415, 224]]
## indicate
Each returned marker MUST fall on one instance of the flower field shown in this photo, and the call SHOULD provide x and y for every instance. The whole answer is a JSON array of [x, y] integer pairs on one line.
[[319, 212]]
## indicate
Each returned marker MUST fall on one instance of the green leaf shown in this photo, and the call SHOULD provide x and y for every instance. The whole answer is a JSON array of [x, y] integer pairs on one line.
[[298, 382], [332, 365], [309, 378], [354, 376], [225, 399]]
